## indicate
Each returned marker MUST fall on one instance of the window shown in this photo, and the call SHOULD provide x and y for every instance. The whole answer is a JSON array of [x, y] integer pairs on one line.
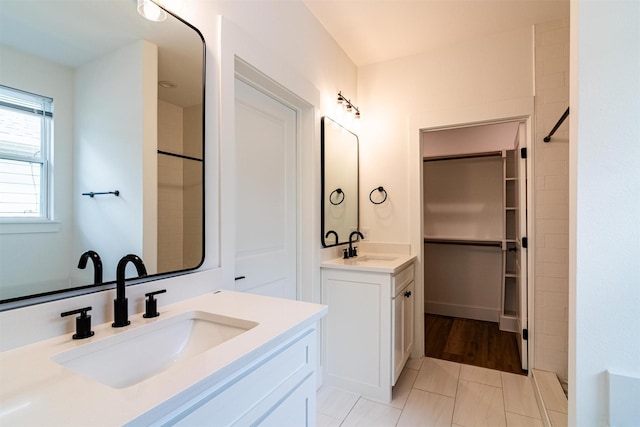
[[25, 142]]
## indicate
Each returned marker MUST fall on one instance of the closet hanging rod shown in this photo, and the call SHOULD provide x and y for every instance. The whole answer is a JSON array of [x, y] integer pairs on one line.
[[555, 128], [463, 242], [463, 156], [181, 156]]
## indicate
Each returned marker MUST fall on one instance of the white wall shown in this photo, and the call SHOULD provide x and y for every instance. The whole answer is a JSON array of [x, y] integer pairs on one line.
[[472, 139], [112, 141], [604, 286], [21, 250], [399, 97]]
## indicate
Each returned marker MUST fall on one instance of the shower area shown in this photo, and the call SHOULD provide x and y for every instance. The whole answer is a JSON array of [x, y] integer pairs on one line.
[[179, 186]]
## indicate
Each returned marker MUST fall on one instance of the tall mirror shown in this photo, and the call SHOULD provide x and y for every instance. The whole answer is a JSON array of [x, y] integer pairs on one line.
[[339, 183], [117, 166]]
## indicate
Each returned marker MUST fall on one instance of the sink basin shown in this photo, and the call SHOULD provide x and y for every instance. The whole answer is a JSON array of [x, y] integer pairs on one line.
[[132, 356], [372, 258]]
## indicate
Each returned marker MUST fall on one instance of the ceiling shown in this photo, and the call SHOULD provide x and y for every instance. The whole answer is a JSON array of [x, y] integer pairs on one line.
[[73, 33], [372, 31]]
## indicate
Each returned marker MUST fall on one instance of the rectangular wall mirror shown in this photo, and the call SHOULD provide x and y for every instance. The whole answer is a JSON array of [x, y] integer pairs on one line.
[[339, 183], [126, 116]]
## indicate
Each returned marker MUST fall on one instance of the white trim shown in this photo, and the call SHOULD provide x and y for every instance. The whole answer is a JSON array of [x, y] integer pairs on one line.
[[240, 54], [38, 225], [508, 323], [464, 311]]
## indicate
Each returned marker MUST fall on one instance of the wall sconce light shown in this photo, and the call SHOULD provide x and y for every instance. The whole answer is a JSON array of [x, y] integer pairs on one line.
[[151, 11], [353, 113]]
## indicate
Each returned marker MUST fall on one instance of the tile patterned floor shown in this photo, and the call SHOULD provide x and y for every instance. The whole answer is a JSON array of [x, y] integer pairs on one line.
[[433, 392]]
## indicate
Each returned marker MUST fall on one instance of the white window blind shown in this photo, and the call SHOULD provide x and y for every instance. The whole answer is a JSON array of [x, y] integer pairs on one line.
[[25, 141]]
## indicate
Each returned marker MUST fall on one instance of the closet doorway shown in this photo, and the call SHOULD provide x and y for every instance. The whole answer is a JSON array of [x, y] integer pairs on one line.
[[475, 262]]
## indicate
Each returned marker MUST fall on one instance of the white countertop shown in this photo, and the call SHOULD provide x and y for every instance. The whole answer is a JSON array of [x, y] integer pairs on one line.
[[34, 390], [373, 262]]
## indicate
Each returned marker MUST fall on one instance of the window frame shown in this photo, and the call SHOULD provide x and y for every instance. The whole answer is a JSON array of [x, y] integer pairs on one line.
[[45, 113]]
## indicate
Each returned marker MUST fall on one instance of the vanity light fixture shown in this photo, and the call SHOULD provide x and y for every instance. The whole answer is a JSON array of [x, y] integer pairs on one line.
[[151, 11], [353, 112]]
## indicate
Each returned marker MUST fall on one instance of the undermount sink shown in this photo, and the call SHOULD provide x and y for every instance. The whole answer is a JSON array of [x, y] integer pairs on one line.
[[132, 356], [373, 258]]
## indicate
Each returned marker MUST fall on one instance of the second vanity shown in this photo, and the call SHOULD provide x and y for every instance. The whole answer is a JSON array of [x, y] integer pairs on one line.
[[248, 360], [368, 333]]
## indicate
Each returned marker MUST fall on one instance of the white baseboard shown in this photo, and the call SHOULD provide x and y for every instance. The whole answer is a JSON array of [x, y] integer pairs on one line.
[[508, 324], [463, 311]]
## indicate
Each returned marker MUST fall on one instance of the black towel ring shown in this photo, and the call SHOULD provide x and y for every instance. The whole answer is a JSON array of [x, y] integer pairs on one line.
[[382, 190], [338, 191]]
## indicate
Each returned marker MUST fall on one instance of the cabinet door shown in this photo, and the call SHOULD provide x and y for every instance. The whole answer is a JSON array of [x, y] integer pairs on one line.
[[402, 328], [408, 297], [398, 335]]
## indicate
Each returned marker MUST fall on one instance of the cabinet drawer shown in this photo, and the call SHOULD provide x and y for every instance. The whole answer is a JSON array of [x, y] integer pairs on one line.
[[402, 279], [252, 393]]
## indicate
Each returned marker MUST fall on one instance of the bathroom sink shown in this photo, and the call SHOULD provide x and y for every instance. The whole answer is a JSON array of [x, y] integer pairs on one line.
[[130, 357], [373, 258]]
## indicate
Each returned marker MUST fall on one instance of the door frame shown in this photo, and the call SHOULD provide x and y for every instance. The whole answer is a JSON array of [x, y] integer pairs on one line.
[[520, 110], [241, 56]]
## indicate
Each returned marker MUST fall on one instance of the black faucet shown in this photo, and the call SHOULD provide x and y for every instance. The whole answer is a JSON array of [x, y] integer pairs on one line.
[[97, 265], [352, 250], [326, 236], [120, 307]]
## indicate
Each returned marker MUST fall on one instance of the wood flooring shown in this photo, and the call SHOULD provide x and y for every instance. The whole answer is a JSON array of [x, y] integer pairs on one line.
[[472, 342]]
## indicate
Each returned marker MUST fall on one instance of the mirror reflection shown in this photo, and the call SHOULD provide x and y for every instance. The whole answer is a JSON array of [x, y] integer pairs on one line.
[[339, 183], [121, 170]]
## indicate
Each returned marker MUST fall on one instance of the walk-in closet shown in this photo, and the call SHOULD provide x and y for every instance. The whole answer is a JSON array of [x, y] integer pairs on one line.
[[474, 184]]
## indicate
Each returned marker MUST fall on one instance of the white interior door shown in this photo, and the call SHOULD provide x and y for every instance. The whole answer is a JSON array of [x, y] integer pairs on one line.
[[521, 258], [265, 182]]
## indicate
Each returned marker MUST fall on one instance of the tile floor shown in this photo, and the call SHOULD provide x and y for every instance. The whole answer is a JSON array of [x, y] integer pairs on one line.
[[434, 392]]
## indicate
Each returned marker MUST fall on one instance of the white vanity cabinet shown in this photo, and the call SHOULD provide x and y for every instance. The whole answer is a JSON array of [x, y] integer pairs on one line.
[[368, 332], [277, 389]]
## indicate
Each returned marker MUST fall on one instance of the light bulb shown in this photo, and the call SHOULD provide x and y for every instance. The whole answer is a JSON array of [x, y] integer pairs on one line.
[[356, 124], [151, 11], [339, 112]]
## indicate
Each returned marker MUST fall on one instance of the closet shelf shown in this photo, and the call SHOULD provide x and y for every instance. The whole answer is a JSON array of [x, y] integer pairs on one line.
[[463, 156], [462, 241]]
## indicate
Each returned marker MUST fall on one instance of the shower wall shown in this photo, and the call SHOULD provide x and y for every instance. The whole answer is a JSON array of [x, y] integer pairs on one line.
[[552, 198]]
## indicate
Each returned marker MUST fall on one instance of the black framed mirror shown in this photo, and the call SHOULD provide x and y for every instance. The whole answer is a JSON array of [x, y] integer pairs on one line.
[[340, 198], [128, 117]]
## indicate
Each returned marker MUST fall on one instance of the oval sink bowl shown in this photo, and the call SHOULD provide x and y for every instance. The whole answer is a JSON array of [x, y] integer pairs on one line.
[[132, 356], [370, 259]]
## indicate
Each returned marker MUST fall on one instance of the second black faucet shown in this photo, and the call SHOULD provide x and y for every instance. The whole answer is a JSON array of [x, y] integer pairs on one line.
[[354, 251], [120, 304]]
